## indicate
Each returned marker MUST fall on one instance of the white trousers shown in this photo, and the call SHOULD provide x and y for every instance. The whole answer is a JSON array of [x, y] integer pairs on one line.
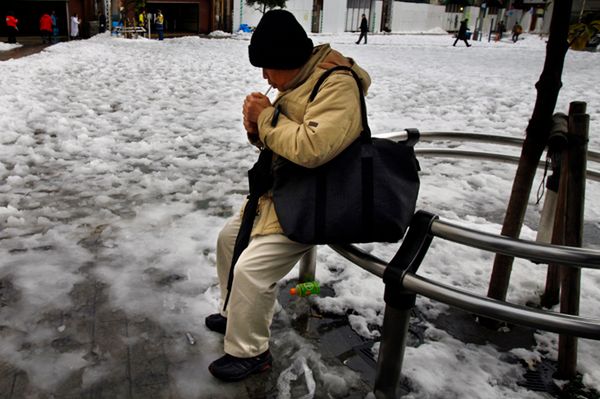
[[265, 261]]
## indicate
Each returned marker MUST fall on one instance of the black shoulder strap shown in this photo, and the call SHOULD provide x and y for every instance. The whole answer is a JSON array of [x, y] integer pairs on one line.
[[366, 133]]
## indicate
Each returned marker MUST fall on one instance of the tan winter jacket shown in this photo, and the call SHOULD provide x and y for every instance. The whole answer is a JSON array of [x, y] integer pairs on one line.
[[311, 134]]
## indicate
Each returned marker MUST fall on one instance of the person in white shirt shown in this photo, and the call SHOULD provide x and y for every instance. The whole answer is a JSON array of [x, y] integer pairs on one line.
[[75, 21]]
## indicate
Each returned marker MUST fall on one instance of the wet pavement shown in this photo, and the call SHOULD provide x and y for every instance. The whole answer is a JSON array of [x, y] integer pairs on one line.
[[29, 45], [141, 367], [23, 51]]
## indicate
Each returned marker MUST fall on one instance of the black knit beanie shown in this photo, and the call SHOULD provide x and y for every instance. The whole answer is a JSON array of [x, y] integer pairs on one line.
[[279, 42]]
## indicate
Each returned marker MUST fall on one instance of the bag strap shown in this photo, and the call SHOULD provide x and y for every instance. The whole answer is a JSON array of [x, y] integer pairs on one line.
[[366, 131], [366, 165]]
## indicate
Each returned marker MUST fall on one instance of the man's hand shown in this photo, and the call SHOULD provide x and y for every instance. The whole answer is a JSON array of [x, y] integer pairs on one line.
[[251, 127], [254, 104]]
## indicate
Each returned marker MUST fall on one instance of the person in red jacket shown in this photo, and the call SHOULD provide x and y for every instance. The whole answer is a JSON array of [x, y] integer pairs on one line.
[[11, 25], [46, 27]]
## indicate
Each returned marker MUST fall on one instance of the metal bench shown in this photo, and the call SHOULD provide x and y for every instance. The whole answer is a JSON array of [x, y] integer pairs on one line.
[[129, 31]]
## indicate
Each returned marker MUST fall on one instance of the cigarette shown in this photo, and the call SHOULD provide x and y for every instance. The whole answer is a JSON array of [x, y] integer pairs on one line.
[[190, 338], [268, 90]]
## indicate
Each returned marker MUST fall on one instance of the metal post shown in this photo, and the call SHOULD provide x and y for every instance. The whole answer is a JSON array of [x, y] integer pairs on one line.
[[571, 276], [399, 304], [308, 266], [307, 269]]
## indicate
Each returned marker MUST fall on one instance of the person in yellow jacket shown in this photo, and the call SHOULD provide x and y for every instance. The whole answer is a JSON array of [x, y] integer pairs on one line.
[[142, 18], [306, 133], [159, 22]]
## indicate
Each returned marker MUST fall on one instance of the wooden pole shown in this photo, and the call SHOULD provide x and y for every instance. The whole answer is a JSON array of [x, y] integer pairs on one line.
[[538, 131], [559, 150], [551, 294], [571, 276]]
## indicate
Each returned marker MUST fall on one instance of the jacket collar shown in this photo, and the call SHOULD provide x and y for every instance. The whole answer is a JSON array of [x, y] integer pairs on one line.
[[318, 55]]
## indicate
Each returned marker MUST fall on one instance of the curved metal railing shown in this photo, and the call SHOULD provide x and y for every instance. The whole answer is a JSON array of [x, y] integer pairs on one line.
[[466, 136], [482, 155], [534, 251], [483, 306], [403, 284]]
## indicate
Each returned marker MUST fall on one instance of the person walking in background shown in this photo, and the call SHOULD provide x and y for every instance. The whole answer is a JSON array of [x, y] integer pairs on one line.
[[75, 21], [159, 24], [462, 33], [364, 28], [46, 27], [54, 27], [516, 31], [11, 26], [289, 127]]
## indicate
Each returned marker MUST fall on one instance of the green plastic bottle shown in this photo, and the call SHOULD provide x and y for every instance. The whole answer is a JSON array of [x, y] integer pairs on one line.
[[306, 289]]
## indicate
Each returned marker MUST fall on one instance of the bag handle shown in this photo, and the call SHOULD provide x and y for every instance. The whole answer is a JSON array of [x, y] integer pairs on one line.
[[366, 131]]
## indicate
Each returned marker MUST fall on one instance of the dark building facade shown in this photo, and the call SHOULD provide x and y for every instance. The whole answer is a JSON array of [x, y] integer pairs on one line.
[[28, 12], [181, 16], [187, 16]]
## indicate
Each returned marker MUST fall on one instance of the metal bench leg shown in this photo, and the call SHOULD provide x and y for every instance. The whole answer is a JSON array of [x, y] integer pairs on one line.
[[308, 266], [393, 342]]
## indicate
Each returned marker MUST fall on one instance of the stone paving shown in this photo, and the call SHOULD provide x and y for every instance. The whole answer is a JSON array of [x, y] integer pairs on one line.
[[140, 367]]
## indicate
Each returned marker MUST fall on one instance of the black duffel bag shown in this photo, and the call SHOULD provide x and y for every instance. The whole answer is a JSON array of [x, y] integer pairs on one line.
[[365, 194]]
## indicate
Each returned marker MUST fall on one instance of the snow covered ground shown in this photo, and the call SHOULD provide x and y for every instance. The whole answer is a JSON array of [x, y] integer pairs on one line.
[[8, 46], [129, 155]]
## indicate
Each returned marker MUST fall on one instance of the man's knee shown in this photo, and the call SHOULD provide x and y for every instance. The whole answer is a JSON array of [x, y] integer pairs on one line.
[[228, 233], [223, 236], [249, 278]]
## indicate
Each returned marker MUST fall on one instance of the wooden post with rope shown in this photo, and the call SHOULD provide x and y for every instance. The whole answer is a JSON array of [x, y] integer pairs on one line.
[[571, 276], [557, 148]]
